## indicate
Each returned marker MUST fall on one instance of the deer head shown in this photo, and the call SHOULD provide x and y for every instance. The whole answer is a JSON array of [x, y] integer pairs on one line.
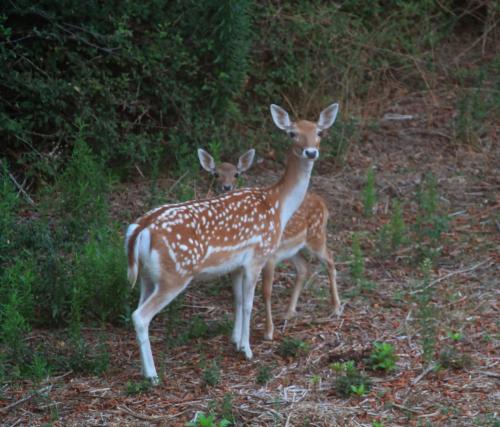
[[225, 174], [306, 135]]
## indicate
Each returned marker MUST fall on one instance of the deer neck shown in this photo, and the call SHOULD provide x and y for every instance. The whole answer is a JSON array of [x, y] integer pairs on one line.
[[292, 188]]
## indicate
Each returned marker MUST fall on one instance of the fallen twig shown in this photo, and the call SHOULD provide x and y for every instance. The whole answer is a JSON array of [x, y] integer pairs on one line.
[[21, 190], [423, 374], [7, 408], [488, 374], [150, 418], [404, 408], [453, 273]]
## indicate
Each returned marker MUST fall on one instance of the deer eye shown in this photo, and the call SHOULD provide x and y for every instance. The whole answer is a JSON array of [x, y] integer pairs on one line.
[[292, 134], [216, 175], [321, 133], [236, 175]]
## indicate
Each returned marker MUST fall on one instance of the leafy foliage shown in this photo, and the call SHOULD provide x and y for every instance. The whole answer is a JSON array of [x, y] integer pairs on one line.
[[431, 222], [128, 77], [426, 315], [382, 357], [211, 374], [293, 347], [350, 380], [209, 420]]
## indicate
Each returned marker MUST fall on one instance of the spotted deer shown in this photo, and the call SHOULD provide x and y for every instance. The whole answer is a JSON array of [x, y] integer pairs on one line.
[[236, 232], [225, 174], [306, 229]]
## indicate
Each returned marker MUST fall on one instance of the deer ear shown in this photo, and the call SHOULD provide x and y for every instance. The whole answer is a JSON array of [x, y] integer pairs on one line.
[[246, 160], [206, 160], [280, 117], [327, 117]]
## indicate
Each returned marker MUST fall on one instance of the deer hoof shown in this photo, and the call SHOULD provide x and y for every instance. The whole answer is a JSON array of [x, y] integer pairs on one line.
[[248, 353], [338, 310], [154, 380], [268, 336]]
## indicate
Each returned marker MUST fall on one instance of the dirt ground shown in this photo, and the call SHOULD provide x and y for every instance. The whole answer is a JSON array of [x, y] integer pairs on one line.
[[300, 389]]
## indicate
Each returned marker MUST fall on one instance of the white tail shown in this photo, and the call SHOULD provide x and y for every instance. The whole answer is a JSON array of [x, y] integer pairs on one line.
[[306, 229], [238, 232]]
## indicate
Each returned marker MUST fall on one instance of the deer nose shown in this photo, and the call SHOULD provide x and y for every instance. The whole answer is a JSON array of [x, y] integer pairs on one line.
[[226, 187], [311, 153]]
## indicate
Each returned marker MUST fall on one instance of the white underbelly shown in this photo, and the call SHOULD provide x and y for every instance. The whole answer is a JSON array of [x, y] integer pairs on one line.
[[230, 264], [287, 252]]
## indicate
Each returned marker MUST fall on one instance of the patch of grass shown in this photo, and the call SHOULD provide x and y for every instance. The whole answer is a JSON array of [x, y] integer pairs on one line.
[[487, 420], [477, 103], [382, 357], [451, 358], [397, 226], [430, 222], [426, 313], [350, 380], [455, 336], [133, 388], [181, 332], [202, 420], [264, 374], [82, 357], [357, 265], [211, 374], [293, 347], [39, 367], [226, 408]]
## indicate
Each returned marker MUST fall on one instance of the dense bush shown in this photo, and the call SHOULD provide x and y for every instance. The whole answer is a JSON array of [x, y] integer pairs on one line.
[[162, 77], [129, 71]]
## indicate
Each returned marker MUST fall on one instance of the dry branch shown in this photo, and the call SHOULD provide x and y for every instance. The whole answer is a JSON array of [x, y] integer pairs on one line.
[[453, 273]]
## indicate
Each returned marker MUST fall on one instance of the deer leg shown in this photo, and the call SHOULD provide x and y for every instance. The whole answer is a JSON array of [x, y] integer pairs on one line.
[[249, 281], [147, 288], [301, 267], [238, 307], [267, 291], [326, 256], [162, 294]]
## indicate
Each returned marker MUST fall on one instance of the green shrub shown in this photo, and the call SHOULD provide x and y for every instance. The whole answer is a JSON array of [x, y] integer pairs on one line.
[[357, 266], [8, 207], [211, 374], [430, 222], [143, 69], [226, 408], [451, 358], [13, 326], [99, 285], [132, 387], [83, 187], [350, 380], [397, 226], [293, 347], [202, 420], [382, 357], [426, 313], [264, 374], [86, 358]]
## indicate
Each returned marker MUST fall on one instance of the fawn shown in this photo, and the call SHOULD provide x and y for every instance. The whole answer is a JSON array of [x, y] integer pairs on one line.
[[306, 229]]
